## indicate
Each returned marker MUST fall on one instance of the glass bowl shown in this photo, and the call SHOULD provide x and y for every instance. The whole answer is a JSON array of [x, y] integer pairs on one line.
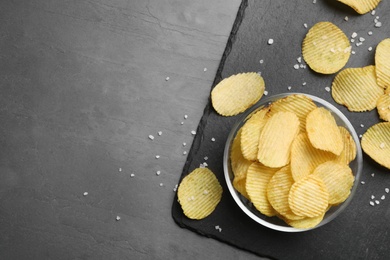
[[275, 222]]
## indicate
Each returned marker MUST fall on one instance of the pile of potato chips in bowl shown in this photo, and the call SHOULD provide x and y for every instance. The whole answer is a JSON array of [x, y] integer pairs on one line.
[[292, 162]]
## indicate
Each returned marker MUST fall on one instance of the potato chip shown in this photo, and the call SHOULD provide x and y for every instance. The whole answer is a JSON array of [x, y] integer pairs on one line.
[[278, 190], [387, 91], [326, 49], [382, 63], [323, 132], [338, 179], [308, 197], [251, 133], [199, 193], [276, 138], [305, 158], [361, 6], [305, 223], [376, 143], [237, 93], [257, 180], [239, 165], [349, 151], [357, 89], [300, 105], [383, 107]]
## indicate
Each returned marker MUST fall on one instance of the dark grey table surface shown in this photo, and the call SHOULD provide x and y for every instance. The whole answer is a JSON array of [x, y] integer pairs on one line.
[[83, 84]]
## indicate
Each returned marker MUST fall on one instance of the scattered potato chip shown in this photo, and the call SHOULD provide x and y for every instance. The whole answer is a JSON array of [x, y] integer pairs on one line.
[[323, 132], [382, 63], [257, 180], [376, 143], [301, 105], [251, 133], [356, 88], [308, 197], [278, 190], [361, 6], [237, 93], [326, 49], [305, 223], [276, 138], [349, 151], [338, 179], [199, 193], [383, 107], [305, 158], [239, 165]]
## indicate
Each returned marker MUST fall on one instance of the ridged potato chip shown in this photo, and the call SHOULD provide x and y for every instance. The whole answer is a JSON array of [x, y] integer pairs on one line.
[[237, 93], [349, 151], [308, 197], [357, 89], [326, 49], [199, 193], [338, 179], [257, 180], [382, 63], [239, 164], [276, 138], [376, 143], [300, 105], [361, 6], [278, 190], [383, 107], [323, 131], [305, 158], [251, 133], [305, 223]]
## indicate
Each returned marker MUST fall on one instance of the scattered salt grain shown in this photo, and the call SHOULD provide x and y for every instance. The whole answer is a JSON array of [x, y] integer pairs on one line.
[[218, 228], [352, 40], [304, 84], [167, 78], [289, 87], [346, 18], [372, 203], [185, 116], [361, 39], [175, 188], [265, 92], [132, 175], [118, 218], [362, 182], [358, 44], [157, 156], [378, 24], [184, 144], [302, 66], [120, 169], [361, 125], [299, 59], [161, 184], [205, 69], [383, 197], [314, 1], [372, 197], [261, 61], [327, 89], [270, 41], [185, 152], [158, 173], [370, 48], [373, 12], [387, 190], [369, 32], [85, 193], [205, 192], [193, 132], [296, 66], [159, 133], [360, 136], [353, 52], [182, 123], [354, 34], [151, 137], [377, 202], [305, 25], [372, 174], [213, 139]]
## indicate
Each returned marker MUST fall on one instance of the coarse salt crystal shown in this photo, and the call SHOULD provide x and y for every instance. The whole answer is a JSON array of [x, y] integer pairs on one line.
[[370, 48], [369, 32], [132, 175], [383, 197], [270, 41], [327, 89], [360, 136], [302, 66], [358, 44], [158, 173], [212, 139], [305, 25], [372, 203], [261, 61], [377, 202], [299, 59], [205, 164], [265, 92], [378, 24], [185, 152], [352, 40], [361, 39], [161, 184], [333, 50], [361, 125], [182, 123], [120, 169], [205, 69], [167, 78], [157, 156], [373, 12], [304, 84], [85, 193], [184, 144], [151, 137], [118, 218], [185, 116], [387, 190], [159, 133], [314, 1], [193, 132], [353, 52], [354, 34], [346, 18], [362, 182], [372, 174], [205, 192], [296, 66], [289, 87], [206, 158], [372, 197]]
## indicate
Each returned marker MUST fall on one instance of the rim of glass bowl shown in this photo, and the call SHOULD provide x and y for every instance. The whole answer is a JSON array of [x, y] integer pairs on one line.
[[356, 165]]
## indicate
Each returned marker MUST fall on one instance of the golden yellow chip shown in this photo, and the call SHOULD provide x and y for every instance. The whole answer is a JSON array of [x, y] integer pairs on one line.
[[383, 107], [349, 151], [251, 133], [326, 49], [301, 105], [308, 197], [278, 190], [361, 6], [276, 138], [305, 158], [305, 222], [357, 89], [323, 131], [338, 179], [376, 143], [257, 180], [382, 63], [199, 193], [237, 93], [387, 91], [239, 165]]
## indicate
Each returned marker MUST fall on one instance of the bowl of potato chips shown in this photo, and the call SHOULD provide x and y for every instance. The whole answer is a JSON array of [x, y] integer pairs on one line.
[[293, 162]]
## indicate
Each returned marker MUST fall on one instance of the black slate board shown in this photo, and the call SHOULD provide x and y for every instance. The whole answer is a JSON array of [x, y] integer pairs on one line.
[[362, 230]]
